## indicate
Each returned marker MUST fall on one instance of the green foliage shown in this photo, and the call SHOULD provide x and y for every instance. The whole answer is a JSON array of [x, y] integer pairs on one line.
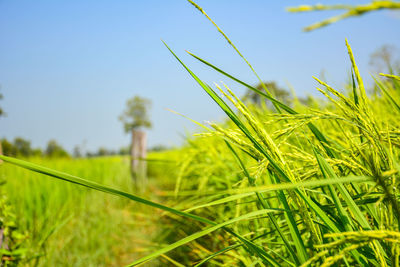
[[20, 147], [54, 150], [8, 148], [70, 225], [317, 187], [12, 240], [279, 93], [1, 110], [354, 138], [312, 185], [23, 147], [136, 114]]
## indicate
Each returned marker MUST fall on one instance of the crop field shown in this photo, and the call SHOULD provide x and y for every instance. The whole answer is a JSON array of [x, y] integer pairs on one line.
[[309, 185], [63, 223], [295, 182]]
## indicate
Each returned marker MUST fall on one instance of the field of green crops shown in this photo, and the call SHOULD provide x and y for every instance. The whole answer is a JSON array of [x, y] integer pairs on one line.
[[311, 183], [63, 223], [299, 185]]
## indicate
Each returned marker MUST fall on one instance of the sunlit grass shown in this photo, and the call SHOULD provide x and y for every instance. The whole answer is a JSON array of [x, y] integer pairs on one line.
[[304, 184]]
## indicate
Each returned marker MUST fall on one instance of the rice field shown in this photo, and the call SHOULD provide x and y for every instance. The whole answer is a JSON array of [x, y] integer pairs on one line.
[[311, 183], [64, 224], [294, 186]]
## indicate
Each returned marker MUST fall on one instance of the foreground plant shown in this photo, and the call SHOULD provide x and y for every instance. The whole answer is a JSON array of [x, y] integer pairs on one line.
[[310, 191], [295, 187], [347, 139]]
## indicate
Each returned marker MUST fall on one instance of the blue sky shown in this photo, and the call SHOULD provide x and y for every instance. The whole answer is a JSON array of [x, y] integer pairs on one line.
[[67, 67]]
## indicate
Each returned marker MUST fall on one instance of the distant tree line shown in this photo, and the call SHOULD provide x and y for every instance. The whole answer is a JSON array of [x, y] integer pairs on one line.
[[123, 151], [101, 152], [277, 92], [21, 147]]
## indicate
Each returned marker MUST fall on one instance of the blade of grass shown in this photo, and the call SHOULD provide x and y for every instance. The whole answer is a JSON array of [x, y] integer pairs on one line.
[[213, 255], [229, 112], [200, 234], [363, 94], [395, 77], [245, 192], [387, 94], [355, 95], [99, 187], [314, 206], [328, 172], [237, 51], [265, 205], [195, 122], [320, 137]]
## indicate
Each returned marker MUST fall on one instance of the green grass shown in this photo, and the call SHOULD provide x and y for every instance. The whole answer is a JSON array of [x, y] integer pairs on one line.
[[313, 186], [350, 134], [301, 185], [68, 225]]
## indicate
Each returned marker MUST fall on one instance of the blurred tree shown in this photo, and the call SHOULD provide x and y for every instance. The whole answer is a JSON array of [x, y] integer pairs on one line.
[[104, 152], [136, 114], [101, 152], [1, 114], [53, 149], [278, 92], [77, 153], [37, 152], [1, 110], [22, 147], [385, 60], [124, 150], [8, 148], [134, 118], [158, 148]]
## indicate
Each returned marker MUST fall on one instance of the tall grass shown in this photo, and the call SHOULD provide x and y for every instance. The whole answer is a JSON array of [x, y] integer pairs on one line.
[[314, 186], [297, 186], [348, 136], [67, 225]]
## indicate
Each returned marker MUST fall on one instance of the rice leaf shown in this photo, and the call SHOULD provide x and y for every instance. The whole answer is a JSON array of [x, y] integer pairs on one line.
[[99, 187], [200, 234]]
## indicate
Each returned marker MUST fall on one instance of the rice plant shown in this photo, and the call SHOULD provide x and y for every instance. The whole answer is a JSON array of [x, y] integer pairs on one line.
[[295, 185]]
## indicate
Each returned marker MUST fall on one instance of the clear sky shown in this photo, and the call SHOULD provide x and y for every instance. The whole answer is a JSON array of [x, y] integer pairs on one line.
[[67, 67]]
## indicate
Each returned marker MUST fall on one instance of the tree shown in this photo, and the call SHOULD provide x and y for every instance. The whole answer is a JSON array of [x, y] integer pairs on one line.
[[77, 152], [136, 114], [124, 151], [385, 59], [22, 147], [1, 110], [1, 114], [135, 117], [8, 148], [53, 149], [278, 92]]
